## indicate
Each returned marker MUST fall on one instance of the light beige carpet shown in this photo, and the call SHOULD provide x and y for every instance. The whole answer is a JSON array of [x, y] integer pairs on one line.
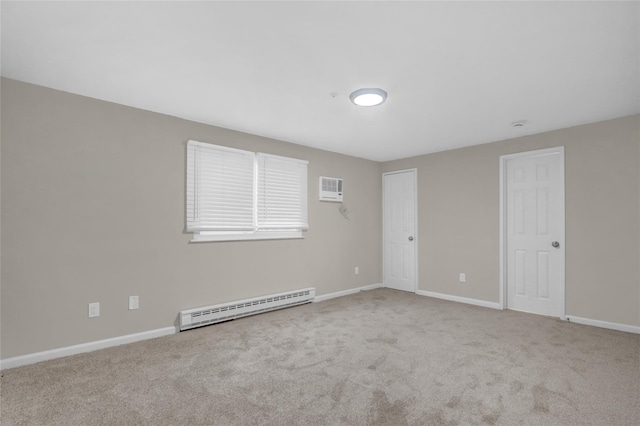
[[378, 357]]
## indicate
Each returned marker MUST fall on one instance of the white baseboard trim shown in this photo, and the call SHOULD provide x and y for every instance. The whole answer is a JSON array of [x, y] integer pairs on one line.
[[477, 302], [604, 324], [130, 338], [585, 321], [84, 347], [345, 292]]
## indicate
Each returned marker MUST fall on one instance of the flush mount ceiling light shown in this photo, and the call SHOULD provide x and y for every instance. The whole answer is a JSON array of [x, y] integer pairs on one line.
[[368, 97]]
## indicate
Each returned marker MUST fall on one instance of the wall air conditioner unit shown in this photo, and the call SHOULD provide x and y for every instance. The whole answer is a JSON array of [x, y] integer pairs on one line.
[[330, 189]]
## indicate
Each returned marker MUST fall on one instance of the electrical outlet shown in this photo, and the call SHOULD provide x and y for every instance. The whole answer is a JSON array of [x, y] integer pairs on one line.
[[94, 310], [463, 277], [357, 270], [133, 303]]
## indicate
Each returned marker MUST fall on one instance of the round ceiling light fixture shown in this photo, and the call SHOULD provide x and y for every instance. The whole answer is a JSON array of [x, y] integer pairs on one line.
[[368, 97]]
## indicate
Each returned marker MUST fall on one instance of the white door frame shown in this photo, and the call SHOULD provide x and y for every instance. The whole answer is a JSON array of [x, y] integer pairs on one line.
[[415, 224], [503, 224]]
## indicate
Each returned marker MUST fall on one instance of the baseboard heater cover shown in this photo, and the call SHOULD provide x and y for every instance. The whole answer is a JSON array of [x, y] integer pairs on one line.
[[198, 317]]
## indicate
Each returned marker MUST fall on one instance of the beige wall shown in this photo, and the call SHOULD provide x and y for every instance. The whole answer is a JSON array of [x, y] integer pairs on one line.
[[458, 225], [93, 211]]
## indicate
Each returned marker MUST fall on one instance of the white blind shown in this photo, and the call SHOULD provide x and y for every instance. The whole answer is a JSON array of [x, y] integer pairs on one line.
[[281, 193], [220, 185]]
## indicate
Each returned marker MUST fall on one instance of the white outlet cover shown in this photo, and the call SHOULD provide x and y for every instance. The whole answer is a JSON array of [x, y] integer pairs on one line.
[[133, 303], [94, 310], [463, 278]]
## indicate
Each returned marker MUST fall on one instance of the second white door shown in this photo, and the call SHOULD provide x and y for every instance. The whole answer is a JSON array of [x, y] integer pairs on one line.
[[535, 231], [399, 230]]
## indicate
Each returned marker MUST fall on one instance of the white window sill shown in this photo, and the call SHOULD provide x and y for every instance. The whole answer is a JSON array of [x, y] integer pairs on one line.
[[204, 237]]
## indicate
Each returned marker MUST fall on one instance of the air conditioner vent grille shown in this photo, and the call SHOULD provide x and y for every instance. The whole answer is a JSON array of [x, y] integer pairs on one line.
[[330, 189]]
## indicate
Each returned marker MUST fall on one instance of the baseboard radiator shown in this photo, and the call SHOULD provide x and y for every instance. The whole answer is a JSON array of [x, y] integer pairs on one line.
[[198, 317]]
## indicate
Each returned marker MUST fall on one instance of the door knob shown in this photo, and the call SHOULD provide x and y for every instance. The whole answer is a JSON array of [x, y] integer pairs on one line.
[[410, 238], [555, 244]]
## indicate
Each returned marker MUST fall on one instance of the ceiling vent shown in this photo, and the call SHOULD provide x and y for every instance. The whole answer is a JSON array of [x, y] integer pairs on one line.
[[330, 189]]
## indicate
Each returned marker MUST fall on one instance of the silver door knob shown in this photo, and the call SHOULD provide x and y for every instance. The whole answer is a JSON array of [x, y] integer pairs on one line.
[[555, 244], [410, 238]]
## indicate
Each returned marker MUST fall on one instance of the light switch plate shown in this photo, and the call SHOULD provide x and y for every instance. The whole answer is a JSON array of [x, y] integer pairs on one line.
[[133, 302], [94, 310]]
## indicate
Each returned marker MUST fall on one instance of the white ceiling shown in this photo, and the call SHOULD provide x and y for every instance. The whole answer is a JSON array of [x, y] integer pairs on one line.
[[457, 73]]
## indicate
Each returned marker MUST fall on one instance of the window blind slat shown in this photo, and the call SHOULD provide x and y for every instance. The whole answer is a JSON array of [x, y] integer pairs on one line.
[[282, 193], [219, 188], [223, 194]]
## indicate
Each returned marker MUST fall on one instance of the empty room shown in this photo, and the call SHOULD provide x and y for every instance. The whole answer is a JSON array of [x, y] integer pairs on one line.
[[320, 213]]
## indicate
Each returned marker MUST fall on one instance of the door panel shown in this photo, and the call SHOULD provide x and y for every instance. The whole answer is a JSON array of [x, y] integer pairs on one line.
[[399, 201], [535, 220]]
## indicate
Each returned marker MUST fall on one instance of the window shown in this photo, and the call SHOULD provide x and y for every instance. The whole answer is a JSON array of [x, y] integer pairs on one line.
[[241, 195]]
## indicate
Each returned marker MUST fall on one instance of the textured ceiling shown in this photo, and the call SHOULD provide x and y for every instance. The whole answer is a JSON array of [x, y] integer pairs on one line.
[[457, 73]]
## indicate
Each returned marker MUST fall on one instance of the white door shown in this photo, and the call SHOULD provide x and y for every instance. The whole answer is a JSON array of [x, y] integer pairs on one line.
[[399, 230], [535, 231]]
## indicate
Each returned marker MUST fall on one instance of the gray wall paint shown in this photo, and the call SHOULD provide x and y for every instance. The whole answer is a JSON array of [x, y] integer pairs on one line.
[[93, 211], [458, 214]]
